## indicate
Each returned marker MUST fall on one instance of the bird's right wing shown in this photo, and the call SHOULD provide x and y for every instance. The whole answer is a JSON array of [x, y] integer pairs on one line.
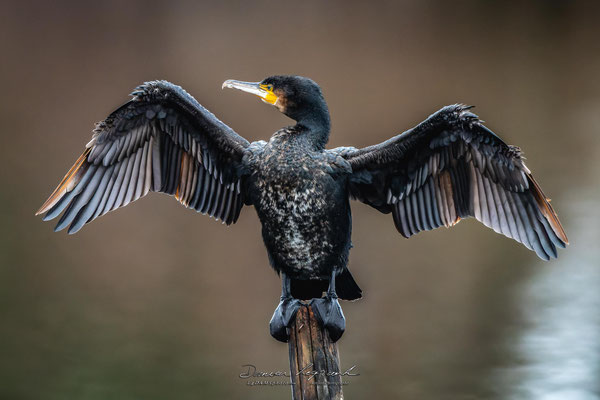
[[161, 140]]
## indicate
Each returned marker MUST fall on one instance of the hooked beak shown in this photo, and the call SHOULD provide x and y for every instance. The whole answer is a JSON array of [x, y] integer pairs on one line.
[[256, 88]]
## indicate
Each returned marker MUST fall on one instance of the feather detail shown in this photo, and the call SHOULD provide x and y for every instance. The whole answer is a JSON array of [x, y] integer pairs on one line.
[[67, 184]]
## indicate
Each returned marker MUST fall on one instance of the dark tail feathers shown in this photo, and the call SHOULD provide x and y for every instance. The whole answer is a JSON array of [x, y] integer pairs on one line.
[[345, 286]]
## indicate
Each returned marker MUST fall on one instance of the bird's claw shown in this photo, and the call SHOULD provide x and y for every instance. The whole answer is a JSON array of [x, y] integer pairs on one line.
[[329, 313], [282, 318]]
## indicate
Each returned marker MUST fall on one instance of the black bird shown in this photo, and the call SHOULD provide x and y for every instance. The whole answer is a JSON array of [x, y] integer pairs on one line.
[[447, 168]]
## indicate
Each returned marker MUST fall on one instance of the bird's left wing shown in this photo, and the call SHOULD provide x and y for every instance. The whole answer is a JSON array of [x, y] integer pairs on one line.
[[451, 167], [161, 140]]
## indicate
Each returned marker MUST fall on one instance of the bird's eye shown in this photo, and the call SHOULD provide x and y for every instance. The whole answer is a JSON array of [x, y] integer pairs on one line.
[[270, 88]]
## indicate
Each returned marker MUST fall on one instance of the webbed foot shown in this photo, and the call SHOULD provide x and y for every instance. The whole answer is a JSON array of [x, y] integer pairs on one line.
[[283, 317], [329, 313]]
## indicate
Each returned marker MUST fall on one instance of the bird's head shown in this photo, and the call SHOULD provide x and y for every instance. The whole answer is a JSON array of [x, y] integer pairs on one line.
[[297, 97]]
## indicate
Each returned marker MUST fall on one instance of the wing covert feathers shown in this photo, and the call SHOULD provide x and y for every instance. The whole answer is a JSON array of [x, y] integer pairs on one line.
[[451, 167], [162, 141]]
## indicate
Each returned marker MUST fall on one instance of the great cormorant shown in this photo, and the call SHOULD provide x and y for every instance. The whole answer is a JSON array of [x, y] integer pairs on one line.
[[447, 168]]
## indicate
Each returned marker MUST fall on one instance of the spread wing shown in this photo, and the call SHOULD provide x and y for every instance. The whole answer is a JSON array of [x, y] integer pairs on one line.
[[162, 140], [451, 167]]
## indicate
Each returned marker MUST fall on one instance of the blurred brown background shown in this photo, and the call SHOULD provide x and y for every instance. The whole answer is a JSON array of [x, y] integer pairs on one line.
[[157, 302]]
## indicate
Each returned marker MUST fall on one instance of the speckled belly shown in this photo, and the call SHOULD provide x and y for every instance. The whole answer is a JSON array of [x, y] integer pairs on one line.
[[299, 221]]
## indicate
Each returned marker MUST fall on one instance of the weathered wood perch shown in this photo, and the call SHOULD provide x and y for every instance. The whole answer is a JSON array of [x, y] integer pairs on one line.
[[314, 360]]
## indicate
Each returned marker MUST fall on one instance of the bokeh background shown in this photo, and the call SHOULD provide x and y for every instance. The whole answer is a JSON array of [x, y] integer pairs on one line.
[[157, 302]]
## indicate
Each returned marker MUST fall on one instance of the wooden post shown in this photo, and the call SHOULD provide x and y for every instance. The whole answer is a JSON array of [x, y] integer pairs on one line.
[[314, 360]]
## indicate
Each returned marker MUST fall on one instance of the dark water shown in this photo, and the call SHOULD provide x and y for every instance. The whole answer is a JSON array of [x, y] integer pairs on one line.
[[155, 302]]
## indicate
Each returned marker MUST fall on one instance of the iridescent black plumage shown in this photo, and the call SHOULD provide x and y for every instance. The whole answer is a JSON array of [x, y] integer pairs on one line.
[[448, 168], [300, 193]]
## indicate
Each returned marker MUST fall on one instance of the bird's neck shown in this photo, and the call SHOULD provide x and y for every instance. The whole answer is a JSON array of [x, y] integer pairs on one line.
[[315, 125]]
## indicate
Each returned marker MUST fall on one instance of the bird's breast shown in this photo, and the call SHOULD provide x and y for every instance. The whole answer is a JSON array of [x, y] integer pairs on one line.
[[301, 207], [292, 187]]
